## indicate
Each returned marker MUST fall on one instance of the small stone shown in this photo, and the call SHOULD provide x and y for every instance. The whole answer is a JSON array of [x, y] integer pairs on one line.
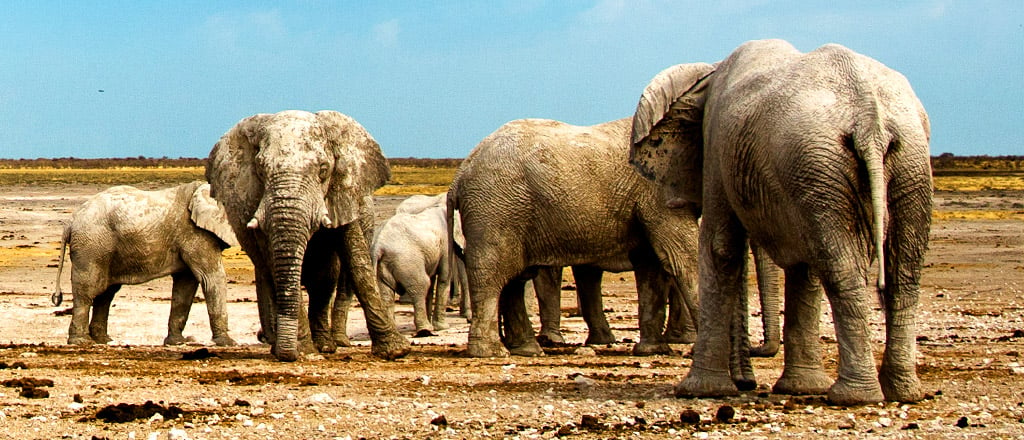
[[77, 398], [910, 426], [885, 421], [962, 422], [590, 422], [585, 352], [724, 414], [689, 417], [440, 420], [321, 398]]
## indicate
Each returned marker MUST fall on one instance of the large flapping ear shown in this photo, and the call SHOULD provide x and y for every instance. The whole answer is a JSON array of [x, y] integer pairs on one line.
[[666, 144], [359, 166], [209, 215], [231, 167]]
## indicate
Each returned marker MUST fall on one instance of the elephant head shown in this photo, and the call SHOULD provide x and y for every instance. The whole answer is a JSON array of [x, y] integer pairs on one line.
[[286, 175], [667, 140]]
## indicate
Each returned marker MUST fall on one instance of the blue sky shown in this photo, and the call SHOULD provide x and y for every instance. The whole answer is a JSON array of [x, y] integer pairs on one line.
[[432, 78]]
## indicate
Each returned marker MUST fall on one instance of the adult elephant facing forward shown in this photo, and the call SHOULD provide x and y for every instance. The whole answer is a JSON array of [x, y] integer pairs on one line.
[[822, 159], [539, 193], [297, 190]]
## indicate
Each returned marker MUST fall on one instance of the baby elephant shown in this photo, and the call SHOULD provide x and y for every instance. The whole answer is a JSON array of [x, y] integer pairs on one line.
[[128, 236]]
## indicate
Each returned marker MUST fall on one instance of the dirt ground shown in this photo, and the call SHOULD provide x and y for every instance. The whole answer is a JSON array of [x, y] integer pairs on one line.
[[971, 327]]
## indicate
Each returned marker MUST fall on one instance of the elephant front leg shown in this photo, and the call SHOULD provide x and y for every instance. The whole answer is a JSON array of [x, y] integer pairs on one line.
[[386, 342], [183, 293], [519, 337], [547, 286], [802, 371], [216, 292], [652, 291], [723, 253], [339, 314], [588, 295]]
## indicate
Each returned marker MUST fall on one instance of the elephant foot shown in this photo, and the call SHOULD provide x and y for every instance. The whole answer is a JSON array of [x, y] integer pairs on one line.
[[900, 385], [766, 350], [224, 341], [284, 355], [440, 324], [600, 338], [548, 338], [648, 349], [701, 382], [683, 337], [80, 340], [745, 380], [179, 340], [424, 333], [844, 393], [307, 345], [485, 349], [102, 338], [802, 381], [342, 340], [390, 347], [529, 348], [324, 344]]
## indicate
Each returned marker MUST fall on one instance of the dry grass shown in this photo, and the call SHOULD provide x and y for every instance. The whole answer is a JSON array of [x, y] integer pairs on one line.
[[978, 183]]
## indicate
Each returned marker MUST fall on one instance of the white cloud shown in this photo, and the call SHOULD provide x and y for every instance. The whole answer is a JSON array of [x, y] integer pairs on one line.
[[386, 33]]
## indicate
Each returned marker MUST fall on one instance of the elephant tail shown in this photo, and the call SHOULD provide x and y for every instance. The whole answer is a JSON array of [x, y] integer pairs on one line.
[[58, 296], [871, 143]]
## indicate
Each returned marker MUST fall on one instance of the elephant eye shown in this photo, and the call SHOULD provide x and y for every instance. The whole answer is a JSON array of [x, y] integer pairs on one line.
[[324, 172]]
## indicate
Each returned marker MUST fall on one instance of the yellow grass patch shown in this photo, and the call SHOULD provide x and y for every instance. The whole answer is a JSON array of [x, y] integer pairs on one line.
[[977, 215], [978, 183]]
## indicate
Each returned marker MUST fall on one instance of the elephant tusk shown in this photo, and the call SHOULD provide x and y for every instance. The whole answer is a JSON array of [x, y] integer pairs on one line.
[[326, 221], [253, 224]]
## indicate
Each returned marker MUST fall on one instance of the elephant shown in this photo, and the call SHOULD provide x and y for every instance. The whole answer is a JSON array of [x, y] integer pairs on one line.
[[125, 235], [822, 159], [540, 193], [410, 252], [297, 188]]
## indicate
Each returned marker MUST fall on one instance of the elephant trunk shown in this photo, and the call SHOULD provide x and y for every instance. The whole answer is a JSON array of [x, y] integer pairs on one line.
[[289, 224]]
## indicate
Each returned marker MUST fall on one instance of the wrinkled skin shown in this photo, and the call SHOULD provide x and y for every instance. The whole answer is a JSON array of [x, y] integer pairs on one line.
[[822, 159], [128, 236], [410, 252], [297, 187], [540, 193]]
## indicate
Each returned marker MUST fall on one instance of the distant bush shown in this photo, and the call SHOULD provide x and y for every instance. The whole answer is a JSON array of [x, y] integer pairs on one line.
[[181, 162]]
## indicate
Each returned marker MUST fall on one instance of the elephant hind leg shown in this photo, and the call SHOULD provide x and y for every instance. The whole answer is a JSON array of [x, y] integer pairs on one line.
[[547, 286], [101, 314], [848, 295], [802, 372], [588, 295], [519, 337], [183, 293]]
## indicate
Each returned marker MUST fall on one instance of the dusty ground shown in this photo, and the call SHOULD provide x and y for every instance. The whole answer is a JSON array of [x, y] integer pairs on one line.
[[971, 339]]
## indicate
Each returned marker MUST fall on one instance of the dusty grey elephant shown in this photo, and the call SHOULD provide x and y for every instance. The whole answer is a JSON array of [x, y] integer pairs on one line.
[[128, 236], [410, 251], [297, 187], [822, 159], [540, 193]]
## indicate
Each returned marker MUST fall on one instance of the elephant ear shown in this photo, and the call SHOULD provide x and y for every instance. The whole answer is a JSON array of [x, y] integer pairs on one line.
[[359, 166], [209, 215], [666, 144], [231, 168]]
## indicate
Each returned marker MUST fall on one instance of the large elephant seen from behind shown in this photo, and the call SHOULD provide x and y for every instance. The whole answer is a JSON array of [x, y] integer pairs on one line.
[[297, 188], [822, 159], [537, 194], [125, 235]]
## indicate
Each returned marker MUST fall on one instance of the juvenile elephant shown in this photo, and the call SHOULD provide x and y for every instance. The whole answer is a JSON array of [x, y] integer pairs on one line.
[[410, 252], [822, 159], [128, 236], [540, 193], [297, 188]]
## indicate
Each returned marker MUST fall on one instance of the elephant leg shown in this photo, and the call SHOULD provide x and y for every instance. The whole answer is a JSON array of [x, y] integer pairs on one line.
[[461, 283], [438, 295], [768, 292], [741, 368], [101, 314], [215, 290], [416, 284], [339, 312], [83, 294], [652, 291], [386, 342], [683, 313], [723, 259], [183, 293], [485, 286], [519, 337], [910, 203], [321, 281], [265, 304], [848, 295], [588, 296], [547, 285], [802, 371]]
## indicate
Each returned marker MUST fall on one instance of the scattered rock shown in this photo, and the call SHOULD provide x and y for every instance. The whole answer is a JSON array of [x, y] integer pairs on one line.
[[962, 422], [591, 423], [724, 414], [689, 417], [34, 393], [202, 353], [440, 420], [127, 412], [585, 352], [27, 382]]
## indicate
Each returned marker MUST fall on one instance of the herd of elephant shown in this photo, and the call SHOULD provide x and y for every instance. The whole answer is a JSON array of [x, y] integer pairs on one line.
[[817, 161]]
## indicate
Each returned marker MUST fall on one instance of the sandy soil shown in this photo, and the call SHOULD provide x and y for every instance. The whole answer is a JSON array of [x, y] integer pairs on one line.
[[971, 330]]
